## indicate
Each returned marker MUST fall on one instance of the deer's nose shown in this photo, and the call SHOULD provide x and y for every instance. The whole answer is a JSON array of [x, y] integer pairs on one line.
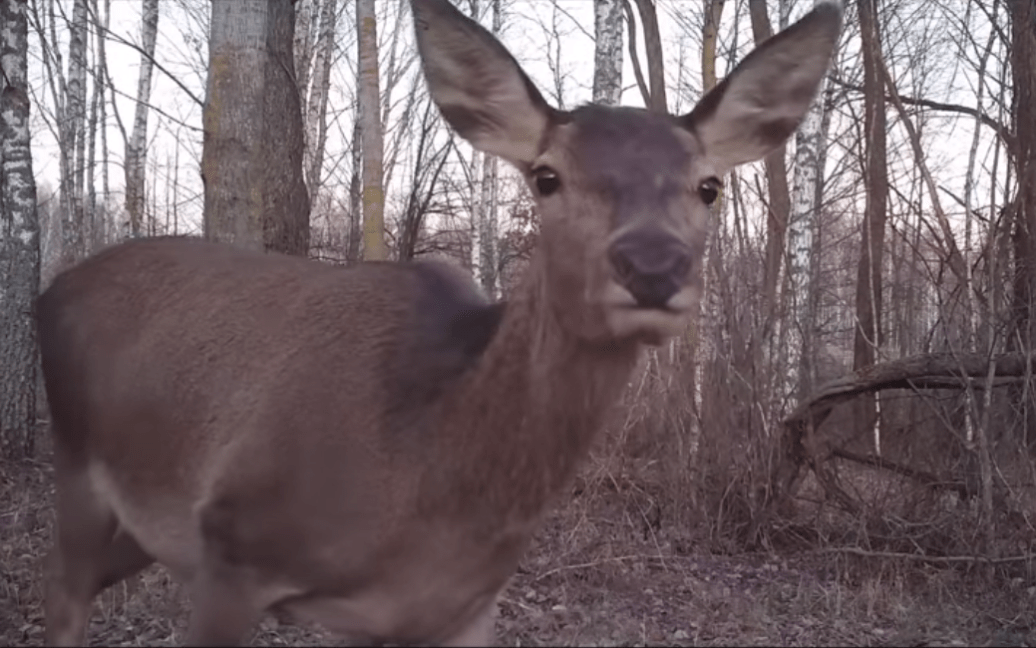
[[652, 265]]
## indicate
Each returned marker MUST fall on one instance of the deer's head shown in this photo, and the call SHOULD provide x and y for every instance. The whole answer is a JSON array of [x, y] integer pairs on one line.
[[624, 194]]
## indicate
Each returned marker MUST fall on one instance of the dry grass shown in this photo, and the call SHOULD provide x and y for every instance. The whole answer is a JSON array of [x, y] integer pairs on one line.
[[604, 571]]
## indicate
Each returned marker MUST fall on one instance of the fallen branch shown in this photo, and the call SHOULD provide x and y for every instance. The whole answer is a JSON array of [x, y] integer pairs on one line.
[[930, 371], [802, 447]]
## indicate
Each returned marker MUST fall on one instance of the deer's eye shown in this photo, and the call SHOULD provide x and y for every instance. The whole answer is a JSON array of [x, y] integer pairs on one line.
[[709, 190], [546, 179]]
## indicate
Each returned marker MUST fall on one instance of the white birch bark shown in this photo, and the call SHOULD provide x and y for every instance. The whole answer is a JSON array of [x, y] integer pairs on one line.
[[19, 239], [475, 182], [305, 15], [607, 88], [136, 146], [316, 112], [802, 230], [100, 222], [74, 151], [355, 181]]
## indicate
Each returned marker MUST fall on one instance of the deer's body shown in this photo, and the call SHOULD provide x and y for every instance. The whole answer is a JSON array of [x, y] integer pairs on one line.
[[503, 413], [372, 448]]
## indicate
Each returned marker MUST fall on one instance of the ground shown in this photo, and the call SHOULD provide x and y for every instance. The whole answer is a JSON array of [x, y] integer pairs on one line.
[[587, 581]]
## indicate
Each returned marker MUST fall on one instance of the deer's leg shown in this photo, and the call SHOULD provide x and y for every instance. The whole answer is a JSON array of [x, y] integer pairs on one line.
[[223, 607], [481, 631], [90, 553]]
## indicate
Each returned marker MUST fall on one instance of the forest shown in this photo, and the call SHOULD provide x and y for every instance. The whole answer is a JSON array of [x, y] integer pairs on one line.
[[840, 448]]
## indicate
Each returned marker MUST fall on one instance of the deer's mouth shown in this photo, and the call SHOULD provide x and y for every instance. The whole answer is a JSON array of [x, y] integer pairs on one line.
[[654, 323]]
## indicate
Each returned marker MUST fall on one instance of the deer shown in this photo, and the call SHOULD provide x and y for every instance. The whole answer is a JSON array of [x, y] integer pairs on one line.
[[372, 448]]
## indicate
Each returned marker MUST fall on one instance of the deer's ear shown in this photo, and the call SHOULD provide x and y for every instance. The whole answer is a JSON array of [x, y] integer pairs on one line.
[[761, 103], [479, 87]]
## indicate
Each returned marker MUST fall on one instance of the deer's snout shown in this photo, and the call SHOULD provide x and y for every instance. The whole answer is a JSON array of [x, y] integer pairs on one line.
[[651, 264]]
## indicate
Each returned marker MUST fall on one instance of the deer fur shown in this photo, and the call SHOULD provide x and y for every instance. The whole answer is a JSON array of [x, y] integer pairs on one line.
[[372, 448]]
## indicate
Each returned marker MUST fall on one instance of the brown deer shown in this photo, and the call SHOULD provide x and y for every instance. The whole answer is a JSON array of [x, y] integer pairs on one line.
[[372, 448]]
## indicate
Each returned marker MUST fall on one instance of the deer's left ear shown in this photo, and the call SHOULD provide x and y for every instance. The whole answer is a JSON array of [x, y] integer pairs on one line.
[[479, 87], [761, 103]]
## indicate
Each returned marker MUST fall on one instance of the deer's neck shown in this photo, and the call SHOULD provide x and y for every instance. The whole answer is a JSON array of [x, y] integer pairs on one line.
[[526, 415]]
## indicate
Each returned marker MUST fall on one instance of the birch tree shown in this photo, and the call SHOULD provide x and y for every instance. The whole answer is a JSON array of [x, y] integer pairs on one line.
[[136, 145], [607, 88], [255, 195], [475, 182], [803, 223], [316, 111], [98, 224], [355, 190], [73, 152], [374, 248], [19, 239]]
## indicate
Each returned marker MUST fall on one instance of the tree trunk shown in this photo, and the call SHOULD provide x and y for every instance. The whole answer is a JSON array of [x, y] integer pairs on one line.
[[869, 332], [302, 43], [74, 152], [255, 195], [709, 38], [98, 115], [488, 213], [352, 254], [374, 248], [1023, 108], [653, 48], [607, 52], [136, 147], [19, 240], [317, 110], [803, 225], [776, 184], [1023, 209]]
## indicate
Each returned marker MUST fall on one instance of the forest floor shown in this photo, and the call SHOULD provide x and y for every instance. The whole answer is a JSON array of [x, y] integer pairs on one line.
[[587, 580]]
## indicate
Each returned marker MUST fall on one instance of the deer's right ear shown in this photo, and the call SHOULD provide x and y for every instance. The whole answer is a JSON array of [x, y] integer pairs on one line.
[[761, 103], [477, 84]]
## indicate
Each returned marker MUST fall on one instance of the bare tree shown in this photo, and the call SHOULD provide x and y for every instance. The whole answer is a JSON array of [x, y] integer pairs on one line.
[[607, 88], [355, 190], [710, 37], [802, 231], [779, 198], [653, 91], [316, 111], [487, 212], [429, 162], [19, 239], [869, 334], [97, 227], [136, 145], [370, 119], [74, 151], [1023, 107], [252, 159]]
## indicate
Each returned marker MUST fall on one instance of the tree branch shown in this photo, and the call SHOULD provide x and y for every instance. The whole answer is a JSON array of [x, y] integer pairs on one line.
[[1002, 131]]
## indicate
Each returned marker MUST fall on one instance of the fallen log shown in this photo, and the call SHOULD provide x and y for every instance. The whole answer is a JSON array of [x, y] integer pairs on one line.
[[802, 447]]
